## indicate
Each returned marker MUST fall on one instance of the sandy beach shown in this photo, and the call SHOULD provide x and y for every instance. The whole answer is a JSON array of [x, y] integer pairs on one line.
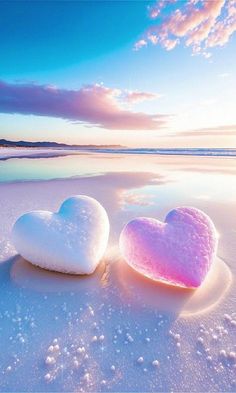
[[116, 330]]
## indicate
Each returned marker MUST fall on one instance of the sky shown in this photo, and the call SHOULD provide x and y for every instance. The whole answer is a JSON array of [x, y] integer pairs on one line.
[[133, 73]]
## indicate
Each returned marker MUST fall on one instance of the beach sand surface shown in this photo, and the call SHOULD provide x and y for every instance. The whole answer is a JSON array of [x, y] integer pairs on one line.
[[117, 330]]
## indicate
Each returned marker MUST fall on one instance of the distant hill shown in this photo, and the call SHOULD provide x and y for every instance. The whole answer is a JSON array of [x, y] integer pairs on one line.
[[6, 143]]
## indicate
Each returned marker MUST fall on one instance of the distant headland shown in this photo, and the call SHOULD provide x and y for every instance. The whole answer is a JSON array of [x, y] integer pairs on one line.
[[7, 143]]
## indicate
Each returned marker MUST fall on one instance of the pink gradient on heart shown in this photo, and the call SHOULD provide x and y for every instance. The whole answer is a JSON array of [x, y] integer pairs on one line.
[[179, 251]]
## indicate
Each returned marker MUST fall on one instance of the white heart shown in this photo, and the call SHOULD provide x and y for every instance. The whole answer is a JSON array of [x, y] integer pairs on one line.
[[73, 240]]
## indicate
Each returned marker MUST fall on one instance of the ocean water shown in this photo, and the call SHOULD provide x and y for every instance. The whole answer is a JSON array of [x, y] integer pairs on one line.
[[211, 152]]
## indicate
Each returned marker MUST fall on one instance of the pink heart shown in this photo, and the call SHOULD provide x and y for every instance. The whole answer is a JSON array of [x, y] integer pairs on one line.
[[179, 251]]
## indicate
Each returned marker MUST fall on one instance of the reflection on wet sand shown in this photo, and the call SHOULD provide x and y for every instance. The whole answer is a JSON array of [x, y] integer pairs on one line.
[[88, 163], [116, 314], [129, 285], [169, 299]]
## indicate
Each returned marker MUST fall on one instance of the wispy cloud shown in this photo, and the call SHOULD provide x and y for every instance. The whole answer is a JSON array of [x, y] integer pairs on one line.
[[134, 97], [200, 24], [92, 104], [140, 44], [221, 130]]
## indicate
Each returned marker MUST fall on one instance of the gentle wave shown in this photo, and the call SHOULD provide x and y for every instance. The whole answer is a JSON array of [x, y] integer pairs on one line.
[[217, 152]]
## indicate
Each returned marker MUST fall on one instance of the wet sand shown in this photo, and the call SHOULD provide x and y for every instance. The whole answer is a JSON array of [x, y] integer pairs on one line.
[[66, 333]]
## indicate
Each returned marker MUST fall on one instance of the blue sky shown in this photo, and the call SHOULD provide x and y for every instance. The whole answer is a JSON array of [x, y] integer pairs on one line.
[[69, 45]]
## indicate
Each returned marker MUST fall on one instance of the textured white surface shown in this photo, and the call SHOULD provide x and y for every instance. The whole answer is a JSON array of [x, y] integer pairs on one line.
[[70, 241], [179, 251]]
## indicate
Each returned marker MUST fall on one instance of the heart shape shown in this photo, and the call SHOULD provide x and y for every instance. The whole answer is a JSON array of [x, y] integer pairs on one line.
[[73, 240], [179, 251]]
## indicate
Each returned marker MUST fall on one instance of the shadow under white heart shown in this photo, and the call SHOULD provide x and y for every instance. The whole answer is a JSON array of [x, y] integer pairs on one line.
[[26, 275]]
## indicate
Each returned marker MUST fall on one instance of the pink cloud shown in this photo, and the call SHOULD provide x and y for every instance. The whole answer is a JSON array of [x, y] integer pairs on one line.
[[133, 97], [156, 9], [221, 130], [140, 44], [200, 24], [169, 44], [93, 104]]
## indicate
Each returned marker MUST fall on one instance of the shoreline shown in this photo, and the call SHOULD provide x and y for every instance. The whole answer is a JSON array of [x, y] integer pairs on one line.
[[9, 153]]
